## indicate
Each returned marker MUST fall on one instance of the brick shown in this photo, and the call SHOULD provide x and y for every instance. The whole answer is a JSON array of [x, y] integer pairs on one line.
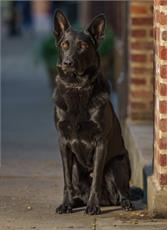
[[151, 33], [161, 2], [164, 35], [163, 89], [163, 106], [141, 45], [141, 115], [163, 160], [141, 39], [163, 71], [138, 105], [163, 143], [142, 21], [142, 70], [163, 179], [138, 33], [161, 17], [138, 9], [156, 33], [138, 57], [138, 81], [163, 125], [163, 52], [141, 94]]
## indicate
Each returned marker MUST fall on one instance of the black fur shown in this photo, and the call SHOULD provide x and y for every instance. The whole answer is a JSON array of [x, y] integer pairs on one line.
[[95, 162]]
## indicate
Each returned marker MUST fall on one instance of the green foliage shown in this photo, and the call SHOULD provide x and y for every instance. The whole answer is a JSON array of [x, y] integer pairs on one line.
[[48, 52], [107, 44]]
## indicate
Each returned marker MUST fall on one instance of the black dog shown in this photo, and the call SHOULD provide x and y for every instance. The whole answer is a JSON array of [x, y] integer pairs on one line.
[[95, 162]]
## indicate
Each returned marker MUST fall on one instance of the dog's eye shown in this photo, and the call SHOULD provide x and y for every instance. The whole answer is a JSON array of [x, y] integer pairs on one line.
[[82, 45], [65, 45]]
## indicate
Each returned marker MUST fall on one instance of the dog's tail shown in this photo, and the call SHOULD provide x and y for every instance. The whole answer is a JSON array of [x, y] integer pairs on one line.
[[136, 193]]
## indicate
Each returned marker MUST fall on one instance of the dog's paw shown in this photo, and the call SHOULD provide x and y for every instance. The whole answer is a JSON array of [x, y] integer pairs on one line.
[[64, 208], [127, 205], [92, 210]]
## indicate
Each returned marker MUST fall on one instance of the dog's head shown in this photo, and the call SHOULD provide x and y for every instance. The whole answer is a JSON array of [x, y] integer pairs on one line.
[[78, 50]]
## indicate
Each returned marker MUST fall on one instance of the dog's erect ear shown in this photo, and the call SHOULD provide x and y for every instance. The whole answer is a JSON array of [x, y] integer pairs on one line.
[[97, 27], [61, 24]]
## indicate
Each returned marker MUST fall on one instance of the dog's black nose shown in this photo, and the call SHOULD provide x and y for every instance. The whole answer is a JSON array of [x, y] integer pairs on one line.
[[68, 63]]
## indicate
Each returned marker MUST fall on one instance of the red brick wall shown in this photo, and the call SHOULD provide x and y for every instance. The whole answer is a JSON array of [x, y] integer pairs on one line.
[[141, 60], [160, 143]]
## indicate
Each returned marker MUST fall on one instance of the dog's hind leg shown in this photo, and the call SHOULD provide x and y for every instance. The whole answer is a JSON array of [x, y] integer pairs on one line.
[[112, 192], [117, 179]]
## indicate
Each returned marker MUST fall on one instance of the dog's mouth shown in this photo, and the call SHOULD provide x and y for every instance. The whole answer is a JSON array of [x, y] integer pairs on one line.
[[70, 70]]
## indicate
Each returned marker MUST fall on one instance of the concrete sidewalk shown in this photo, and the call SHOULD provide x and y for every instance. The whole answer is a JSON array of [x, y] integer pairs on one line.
[[31, 180]]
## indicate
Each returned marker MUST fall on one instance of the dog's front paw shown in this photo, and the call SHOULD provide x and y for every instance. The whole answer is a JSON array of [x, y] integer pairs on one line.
[[127, 205], [93, 207], [64, 208], [93, 210]]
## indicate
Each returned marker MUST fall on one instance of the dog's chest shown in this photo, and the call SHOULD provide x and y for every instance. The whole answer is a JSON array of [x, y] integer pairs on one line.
[[80, 123], [77, 127], [81, 119], [77, 100]]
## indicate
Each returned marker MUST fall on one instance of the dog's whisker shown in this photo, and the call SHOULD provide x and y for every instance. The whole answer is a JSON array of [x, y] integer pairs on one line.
[[59, 65]]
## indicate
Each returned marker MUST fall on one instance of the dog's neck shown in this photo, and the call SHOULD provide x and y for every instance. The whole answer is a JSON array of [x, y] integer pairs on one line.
[[78, 81]]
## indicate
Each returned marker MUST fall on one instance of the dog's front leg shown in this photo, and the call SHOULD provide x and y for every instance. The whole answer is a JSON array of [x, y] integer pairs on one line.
[[93, 205], [66, 206]]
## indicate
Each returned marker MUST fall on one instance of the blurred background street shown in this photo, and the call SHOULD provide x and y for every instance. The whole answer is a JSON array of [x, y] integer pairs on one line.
[[28, 131]]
